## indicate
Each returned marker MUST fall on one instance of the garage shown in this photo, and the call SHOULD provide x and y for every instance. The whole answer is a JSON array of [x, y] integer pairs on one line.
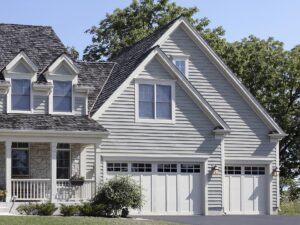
[[168, 188], [245, 190]]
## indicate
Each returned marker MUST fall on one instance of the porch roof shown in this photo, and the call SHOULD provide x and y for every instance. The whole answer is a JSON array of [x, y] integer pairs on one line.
[[39, 122]]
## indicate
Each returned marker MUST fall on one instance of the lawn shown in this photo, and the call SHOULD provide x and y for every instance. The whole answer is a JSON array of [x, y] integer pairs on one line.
[[290, 208], [55, 220]]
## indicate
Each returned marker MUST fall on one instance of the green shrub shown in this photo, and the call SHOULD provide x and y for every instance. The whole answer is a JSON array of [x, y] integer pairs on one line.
[[125, 212], [69, 210], [118, 193], [90, 209], [27, 209], [290, 208], [46, 209]]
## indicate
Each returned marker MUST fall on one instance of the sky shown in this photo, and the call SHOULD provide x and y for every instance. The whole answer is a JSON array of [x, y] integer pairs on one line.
[[240, 18]]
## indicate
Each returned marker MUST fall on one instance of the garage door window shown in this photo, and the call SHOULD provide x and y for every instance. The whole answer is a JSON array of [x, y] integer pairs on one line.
[[117, 167], [233, 170], [190, 168], [167, 168], [141, 167], [254, 170]]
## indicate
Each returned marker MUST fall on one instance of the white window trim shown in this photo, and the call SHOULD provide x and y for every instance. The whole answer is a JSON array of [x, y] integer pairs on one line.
[[184, 58], [154, 82], [29, 77]]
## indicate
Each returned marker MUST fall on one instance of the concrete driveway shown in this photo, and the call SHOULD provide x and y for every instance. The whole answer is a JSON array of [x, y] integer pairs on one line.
[[229, 220]]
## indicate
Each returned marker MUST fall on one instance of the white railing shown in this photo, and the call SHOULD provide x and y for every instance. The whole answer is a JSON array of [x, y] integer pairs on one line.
[[31, 189], [67, 192]]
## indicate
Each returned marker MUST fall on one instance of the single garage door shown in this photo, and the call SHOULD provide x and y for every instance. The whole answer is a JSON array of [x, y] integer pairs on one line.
[[168, 188], [245, 190]]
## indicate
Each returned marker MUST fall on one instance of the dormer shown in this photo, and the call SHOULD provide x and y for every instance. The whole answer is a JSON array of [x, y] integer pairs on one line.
[[20, 73]]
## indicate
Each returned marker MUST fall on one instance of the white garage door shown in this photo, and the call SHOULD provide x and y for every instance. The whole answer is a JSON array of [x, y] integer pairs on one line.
[[168, 188], [245, 190]]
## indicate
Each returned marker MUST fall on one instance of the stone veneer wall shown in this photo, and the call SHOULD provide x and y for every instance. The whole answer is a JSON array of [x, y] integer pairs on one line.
[[75, 159], [39, 161]]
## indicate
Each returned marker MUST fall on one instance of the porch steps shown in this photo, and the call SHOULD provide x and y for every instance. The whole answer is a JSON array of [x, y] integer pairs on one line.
[[4, 208]]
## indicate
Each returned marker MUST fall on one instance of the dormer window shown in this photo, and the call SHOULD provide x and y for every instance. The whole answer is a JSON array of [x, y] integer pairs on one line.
[[20, 94], [62, 96], [181, 62]]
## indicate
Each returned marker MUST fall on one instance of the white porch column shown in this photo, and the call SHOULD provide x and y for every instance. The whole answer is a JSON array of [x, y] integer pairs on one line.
[[8, 170], [83, 161], [97, 164], [53, 157]]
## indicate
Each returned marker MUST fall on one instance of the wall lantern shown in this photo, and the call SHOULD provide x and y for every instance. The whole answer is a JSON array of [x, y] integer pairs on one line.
[[215, 169], [276, 171]]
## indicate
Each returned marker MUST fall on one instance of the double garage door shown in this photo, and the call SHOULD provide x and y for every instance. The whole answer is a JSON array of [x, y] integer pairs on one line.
[[168, 188], [245, 190]]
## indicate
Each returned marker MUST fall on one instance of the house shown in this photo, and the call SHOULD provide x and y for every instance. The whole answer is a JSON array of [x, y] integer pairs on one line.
[[166, 111]]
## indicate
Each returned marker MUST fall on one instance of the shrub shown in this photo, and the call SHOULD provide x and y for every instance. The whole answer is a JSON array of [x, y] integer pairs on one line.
[[27, 209], [125, 212], [90, 209], [119, 193], [69, 210], [46, 209]]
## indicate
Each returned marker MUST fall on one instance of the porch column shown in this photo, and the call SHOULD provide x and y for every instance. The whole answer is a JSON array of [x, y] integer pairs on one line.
[[53, 157], [97, 164], [8, 170]]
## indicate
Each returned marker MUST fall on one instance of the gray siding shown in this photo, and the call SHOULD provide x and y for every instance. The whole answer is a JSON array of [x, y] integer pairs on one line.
[[2, 103], [40, 104], [192, 132], [249, 135], [80, 105]]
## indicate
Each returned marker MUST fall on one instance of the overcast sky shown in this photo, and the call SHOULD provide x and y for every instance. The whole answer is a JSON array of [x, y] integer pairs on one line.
[[240, 18]]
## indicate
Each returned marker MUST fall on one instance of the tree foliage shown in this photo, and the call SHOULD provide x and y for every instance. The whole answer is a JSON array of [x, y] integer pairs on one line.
[[271, 73]]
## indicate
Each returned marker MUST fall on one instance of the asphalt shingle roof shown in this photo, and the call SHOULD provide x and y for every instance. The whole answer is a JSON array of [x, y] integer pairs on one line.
[[48, 122], [126, 62]]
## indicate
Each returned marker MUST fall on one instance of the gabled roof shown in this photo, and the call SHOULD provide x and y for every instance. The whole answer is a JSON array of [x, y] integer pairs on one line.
[[126, 62]]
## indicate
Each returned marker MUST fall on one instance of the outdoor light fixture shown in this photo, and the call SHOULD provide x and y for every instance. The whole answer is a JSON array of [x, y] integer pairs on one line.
[[215, 169], [276, 171]]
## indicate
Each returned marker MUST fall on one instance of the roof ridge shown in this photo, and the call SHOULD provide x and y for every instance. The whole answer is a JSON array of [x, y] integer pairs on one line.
[[25, 25]]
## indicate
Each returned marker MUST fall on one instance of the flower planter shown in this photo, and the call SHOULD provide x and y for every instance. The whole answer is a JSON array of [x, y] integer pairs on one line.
[[76, 182]]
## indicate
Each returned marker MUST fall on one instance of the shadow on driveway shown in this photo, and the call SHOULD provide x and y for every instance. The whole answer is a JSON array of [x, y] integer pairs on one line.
[[229, 220]]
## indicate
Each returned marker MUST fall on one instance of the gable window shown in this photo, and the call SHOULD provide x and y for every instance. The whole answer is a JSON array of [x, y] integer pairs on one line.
[[62, 96], [181, 62], [63, 161], [20, 94], [155, 101], [20, 159]]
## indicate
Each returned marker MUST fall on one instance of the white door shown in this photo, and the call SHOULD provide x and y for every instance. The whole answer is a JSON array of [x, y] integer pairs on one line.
[[168, 188], [245, 190]]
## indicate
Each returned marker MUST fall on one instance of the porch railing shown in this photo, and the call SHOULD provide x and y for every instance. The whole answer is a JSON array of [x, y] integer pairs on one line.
[[67, 192], [31, 189], [40, 189]]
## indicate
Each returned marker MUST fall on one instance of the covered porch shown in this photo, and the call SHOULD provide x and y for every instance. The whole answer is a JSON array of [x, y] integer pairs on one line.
[[36, 165]]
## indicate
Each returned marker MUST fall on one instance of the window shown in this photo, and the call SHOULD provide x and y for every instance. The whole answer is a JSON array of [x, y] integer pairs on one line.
[[62, 96], [155, 101], [233, 170], [181, 64], [141, 167], [190, 168], [20, 159], [166, 168], [254, 170], [20, 94], [63, 161], [117, 167]]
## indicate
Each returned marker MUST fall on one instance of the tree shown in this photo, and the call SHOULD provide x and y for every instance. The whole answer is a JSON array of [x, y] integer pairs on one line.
[[73, 52], [271, 73], [126, 26]]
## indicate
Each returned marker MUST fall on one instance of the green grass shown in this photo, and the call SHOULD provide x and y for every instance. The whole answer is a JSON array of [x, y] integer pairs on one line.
[[290, 208], [57, 220]]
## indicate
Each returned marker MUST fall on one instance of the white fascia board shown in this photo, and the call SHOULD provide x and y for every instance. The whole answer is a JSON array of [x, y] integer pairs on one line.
[[229, 75], [15, 61], [155, 158], [83, 89], [61, 59], [184, 83]]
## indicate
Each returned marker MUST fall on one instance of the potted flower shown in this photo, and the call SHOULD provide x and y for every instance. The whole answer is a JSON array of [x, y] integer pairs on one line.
[[2, 194], [76, 180]]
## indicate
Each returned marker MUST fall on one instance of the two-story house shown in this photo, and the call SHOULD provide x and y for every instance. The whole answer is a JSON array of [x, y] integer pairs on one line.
[[166, 111]]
